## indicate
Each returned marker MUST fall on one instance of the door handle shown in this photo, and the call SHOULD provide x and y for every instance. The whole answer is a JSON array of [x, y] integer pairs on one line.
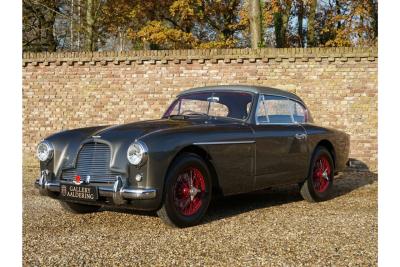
[[301, 136]]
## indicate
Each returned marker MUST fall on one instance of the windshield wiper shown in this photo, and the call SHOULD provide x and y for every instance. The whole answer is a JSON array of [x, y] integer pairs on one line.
[[193, 113], [178, 116], [196, 114], [188, 115]]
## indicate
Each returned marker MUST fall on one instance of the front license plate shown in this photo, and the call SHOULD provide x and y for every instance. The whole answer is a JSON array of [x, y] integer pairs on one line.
[[80, 192]]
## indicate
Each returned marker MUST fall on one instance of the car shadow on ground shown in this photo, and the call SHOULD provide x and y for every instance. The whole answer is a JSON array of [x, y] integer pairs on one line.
[[225, 207], [129, 211]]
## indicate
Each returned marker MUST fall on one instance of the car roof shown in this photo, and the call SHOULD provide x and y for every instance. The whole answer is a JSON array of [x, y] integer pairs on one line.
[[243, 88]]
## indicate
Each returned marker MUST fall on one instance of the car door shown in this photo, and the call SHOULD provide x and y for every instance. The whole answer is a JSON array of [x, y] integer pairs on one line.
[[281, 142]]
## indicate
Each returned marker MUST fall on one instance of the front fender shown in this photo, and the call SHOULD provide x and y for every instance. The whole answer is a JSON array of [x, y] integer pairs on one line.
[[233, 162]]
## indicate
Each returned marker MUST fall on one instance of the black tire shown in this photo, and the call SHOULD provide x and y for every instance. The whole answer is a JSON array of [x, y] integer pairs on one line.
[[78, 208], [312, 189], [170, 212]]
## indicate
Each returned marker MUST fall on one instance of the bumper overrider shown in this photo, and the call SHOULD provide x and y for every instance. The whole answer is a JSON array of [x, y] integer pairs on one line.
[[117, 191]]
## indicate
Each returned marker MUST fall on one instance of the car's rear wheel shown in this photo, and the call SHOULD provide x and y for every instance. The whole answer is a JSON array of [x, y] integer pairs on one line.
[[187, 192], [318, 185], [79, 208]]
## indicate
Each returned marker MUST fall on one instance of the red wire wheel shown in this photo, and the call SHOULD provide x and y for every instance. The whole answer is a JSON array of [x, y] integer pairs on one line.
[[321, 174], [189, 191]]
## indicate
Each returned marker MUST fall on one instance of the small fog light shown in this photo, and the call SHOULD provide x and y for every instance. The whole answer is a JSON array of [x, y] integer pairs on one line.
[[138, 177]]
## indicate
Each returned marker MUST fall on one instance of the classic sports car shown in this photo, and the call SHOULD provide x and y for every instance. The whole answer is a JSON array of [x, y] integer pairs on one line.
[[222, 139]]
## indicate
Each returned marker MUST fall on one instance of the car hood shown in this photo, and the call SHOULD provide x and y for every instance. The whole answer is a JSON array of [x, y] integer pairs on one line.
[[135, 130], [68, 143]]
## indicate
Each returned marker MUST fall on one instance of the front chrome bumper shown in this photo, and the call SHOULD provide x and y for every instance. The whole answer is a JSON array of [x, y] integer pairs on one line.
[[117, 191]]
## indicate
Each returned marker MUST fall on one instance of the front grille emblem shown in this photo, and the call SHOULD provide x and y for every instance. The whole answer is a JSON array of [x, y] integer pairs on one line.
[[77, 180]]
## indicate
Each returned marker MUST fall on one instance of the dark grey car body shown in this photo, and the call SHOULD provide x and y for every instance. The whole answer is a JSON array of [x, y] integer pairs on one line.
[[243, 156]]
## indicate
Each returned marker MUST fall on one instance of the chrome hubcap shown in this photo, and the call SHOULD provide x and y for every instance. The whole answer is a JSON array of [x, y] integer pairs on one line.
[[325, 175], [189, 191], [321, 174], [193, 192]]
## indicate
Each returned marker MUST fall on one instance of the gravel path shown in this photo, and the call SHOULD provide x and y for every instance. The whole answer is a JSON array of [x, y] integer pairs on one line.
[[272, 227]]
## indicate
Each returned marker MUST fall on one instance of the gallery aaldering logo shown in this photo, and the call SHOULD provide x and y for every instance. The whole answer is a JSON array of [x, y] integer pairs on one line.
[[63, 190]]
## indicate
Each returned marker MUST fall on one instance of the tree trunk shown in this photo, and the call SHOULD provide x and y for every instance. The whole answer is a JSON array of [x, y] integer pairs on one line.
[[52, 44], [374, 16], [285, 24], [281, 23], [79, 26], [311, 39], [338, 13], [46, 25], [146, 45], [300, 16], [278, 25], [89, 25], [255, 23], [71, 26]]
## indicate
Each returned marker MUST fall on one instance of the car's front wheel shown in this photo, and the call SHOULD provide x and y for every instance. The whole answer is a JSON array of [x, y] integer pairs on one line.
[[187, 192], [78, 208], [318, 185]]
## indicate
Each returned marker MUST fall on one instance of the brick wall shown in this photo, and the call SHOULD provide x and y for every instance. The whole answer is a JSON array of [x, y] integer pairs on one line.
[[68, 90]]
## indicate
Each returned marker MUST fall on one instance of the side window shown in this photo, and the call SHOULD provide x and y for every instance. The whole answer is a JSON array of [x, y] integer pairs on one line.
[[275, 109], [217, 109], [193, 105], [261, 113], [279, 110], [300, 113]]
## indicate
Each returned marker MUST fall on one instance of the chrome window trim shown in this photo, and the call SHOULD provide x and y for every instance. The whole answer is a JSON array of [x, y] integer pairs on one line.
[[262, 97], [225, 142], [252, 94]]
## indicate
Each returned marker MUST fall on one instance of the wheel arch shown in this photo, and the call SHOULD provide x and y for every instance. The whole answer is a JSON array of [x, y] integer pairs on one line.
[[325, 143], [201, 152], [329, 146]]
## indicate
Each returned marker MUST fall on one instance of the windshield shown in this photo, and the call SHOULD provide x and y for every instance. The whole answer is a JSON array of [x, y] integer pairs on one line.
[[234, 105]]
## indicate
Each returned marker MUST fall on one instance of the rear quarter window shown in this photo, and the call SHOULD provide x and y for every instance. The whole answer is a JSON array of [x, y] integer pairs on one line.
[[276, 110]]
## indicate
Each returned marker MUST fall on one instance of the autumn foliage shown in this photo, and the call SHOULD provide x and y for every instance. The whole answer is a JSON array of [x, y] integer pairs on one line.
[[75, 25]]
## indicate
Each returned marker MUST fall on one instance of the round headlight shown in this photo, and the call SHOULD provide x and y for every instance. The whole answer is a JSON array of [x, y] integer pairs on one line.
[[137, 153], [44, 151]]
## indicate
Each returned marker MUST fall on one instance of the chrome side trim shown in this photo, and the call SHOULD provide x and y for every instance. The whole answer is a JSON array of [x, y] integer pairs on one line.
[[225, 142]]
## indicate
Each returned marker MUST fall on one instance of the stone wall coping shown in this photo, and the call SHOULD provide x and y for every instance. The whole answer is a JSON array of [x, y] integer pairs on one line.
[[202, 54]]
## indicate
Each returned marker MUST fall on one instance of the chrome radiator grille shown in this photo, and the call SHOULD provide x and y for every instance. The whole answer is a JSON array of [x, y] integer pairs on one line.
[[94, 161]]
